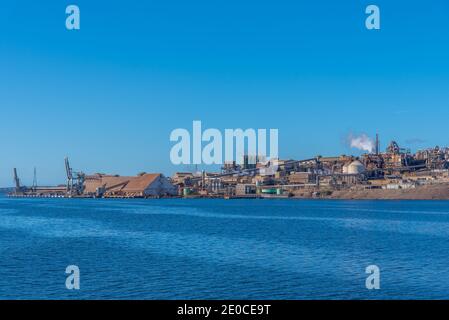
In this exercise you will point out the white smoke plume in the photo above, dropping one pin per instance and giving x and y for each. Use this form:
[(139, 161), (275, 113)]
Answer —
[(362, 142)]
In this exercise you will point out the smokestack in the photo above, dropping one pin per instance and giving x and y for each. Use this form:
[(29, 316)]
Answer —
[(377, 144)]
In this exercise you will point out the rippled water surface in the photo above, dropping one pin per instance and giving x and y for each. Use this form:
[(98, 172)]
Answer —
[(223, 249)]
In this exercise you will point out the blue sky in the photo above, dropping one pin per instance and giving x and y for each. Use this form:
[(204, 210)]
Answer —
[(109, 95)]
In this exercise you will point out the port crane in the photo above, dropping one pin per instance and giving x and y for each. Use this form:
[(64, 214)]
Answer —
[(18, 188), (75, 180), (34, 187)]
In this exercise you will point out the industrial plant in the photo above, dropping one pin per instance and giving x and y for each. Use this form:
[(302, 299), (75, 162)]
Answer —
[(395, 173), (80, 185)]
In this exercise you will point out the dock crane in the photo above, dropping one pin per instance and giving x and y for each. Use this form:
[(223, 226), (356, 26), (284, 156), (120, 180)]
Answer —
[(34, 187), (75, 180), (18, 188)]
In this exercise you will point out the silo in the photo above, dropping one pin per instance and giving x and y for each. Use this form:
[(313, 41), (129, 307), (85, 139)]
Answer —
[(356, 167)]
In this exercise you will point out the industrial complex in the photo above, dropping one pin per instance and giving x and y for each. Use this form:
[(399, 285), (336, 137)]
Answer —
[(389, 174), (144, 185)]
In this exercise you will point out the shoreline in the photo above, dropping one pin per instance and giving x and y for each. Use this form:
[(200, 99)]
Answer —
[(425, 192), (240, 198)]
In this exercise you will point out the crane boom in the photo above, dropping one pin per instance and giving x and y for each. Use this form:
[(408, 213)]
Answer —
[(16, 180)]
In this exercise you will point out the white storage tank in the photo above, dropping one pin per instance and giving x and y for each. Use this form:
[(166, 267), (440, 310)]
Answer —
[(356, 167)]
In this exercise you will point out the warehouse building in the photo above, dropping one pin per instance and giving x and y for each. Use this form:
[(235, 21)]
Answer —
[(144, 185)]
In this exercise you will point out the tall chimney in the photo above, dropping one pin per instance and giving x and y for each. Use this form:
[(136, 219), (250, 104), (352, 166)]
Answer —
[(377, 144)]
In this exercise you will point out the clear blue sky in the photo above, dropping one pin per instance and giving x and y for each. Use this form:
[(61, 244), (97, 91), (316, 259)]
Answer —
[(109, 94)]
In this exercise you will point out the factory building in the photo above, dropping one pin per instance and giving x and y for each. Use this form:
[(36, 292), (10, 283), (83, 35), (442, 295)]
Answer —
[(142, 186), (245, 189), (301, 178)]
